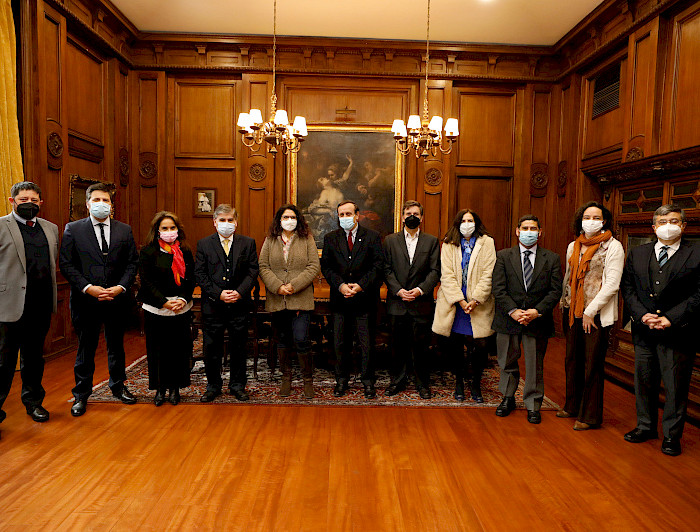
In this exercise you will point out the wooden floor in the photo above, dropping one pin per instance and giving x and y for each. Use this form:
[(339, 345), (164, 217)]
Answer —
[(237, 467)]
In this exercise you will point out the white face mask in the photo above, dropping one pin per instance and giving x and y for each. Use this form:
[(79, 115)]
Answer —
[(467, 228), (591, 227), (288, 225), (668, 232), (225, 229)]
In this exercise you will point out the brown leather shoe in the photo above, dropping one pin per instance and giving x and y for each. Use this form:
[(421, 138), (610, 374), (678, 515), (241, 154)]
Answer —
[(580, 425), (308, 388), (563, 413), (286, 386)]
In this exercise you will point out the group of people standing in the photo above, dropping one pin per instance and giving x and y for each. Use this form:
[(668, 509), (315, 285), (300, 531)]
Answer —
[(512, 293)]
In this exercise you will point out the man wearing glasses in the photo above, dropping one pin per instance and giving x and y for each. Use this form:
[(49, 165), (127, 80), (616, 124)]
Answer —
[(661, 287)]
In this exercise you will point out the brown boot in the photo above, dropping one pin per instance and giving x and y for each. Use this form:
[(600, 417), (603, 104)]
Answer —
[(286, 367), (307, 372)]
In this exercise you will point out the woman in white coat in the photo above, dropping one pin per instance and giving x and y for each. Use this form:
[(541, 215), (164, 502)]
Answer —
[(465, 306), (594, 264)]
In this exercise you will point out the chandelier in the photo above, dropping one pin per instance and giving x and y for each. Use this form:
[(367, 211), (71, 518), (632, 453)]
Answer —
[(276, 132), (422, 136)]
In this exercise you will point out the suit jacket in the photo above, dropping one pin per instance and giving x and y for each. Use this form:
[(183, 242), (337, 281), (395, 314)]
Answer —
[(13, 265), (399, 272), (210, 272), (157, 280), (509, 290), (82, 263), (679, 301), (363, 266)]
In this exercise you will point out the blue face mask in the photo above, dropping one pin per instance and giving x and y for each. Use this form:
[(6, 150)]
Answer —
[(346, 222), (100, 210), (528, 238)]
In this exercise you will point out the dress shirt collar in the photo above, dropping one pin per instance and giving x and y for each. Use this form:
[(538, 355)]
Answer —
[(221, 239), (408, 236), (22, 220), (95, 221), (523, 249), (353, 231), (671, 249)]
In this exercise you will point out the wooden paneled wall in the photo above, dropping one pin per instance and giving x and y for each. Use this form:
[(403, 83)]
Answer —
[(155, 114)]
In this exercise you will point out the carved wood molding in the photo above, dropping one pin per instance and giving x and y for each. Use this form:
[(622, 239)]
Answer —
[(433, 177), (539, 179), (54, 149), (148, 169), (124, 166), (562, 178)]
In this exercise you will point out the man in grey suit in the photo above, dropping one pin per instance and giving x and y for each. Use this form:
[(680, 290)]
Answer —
[(28, 249), (411, 270), (527, 286)]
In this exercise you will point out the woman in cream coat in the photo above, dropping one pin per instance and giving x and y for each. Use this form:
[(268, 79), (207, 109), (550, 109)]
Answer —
[(288, 265), (465, 306), (594, 264)]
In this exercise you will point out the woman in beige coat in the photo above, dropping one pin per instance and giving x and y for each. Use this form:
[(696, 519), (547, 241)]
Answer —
[(288, 265), (465, 306)]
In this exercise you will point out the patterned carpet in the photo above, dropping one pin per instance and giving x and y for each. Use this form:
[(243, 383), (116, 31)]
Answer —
[(265, 389)]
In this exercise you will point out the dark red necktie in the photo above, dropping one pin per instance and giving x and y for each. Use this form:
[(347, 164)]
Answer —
[(350, 241), (30, 223)]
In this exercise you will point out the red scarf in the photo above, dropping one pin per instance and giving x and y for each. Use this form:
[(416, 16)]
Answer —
[(178, 260), (579, 269)]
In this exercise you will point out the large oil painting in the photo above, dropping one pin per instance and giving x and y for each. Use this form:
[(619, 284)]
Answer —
[(342, 164)]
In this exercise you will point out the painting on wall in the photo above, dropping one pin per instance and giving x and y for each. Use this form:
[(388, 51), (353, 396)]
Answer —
[(204, 202), (78, 186)]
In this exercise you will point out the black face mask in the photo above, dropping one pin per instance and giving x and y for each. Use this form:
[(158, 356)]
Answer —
[(412, 221), (27, 210)]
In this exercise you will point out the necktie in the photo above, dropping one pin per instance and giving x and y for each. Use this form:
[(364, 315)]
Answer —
[(350, 244), (227, 242), (105, 247), (663, 256), (30, 223), (527, 269)]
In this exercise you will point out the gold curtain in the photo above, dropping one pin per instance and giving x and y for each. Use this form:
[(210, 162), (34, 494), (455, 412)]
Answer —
[(10, 151)]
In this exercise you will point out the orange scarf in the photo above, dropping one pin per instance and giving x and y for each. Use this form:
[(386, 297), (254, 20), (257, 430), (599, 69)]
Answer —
[(579, 269), (178, 266)]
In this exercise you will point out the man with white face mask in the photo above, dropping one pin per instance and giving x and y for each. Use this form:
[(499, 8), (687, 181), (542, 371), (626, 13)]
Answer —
[(226, 268), (661, 288)]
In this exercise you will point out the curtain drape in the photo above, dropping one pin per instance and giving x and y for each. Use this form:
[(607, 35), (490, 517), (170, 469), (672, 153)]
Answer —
[(10, 152)]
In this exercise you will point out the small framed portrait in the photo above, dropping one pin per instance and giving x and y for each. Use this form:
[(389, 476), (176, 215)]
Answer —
[(204, 202), (78, 187)]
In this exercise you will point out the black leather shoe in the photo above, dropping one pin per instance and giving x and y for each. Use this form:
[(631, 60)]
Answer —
[(209, 396), (459, 391), (125, 396), (534, 417), (174, 397), (159, 398), (38, 413), (393, 389), (240, 394), (640, 435), (506, 407), (425, 393), (370, 392), (671, 447), (78, 408), (477, 397), (341, 388)]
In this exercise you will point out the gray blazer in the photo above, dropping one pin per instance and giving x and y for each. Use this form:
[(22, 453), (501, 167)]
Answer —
[(13, 265)]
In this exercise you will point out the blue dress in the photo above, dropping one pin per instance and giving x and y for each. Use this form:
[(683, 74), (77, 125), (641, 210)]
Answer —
[(463, 321)]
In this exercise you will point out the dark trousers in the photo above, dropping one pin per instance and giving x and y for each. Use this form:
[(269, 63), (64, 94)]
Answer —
[(411, 349), (534, 348), (26, 335), (88, 321), (214, 326), (344, 324), (654, 361), (168, 350), (475, 361), (291, 329), (585, 370)]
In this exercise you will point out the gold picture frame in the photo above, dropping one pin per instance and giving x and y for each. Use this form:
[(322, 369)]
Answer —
[(338, 163)]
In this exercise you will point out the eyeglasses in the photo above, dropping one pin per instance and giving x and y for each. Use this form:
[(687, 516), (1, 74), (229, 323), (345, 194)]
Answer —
[(673, 221)]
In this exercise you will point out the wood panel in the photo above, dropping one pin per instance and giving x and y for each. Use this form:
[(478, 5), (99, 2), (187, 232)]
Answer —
[(490, 198), (85, 86), (205, 119)]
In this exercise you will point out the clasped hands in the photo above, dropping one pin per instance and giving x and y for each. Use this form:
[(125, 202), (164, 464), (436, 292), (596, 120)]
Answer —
[(654, 321), (409, 295), (104, 294), (175, 305), (350, 289), (524, 317), (285, 290), (229, 296), (468, 307)]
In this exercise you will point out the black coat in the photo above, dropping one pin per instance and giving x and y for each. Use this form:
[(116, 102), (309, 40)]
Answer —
[(423, 273), (679, 301), (210, 271), (157, 280), (363, 266), (82, 263), (509, 291)]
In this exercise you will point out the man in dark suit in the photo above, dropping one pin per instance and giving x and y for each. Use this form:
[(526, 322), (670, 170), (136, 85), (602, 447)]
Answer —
[(352, 262), (98, 258), (226, 269), (661, 287), (411, 270), (527, 286), (28, 249)]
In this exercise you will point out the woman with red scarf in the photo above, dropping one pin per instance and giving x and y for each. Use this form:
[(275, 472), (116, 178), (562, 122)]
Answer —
[(166, 271), (594, 264)]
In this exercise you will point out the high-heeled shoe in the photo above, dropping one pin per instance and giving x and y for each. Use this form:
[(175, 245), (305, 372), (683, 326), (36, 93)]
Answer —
[(159, 398), (174, 397)]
